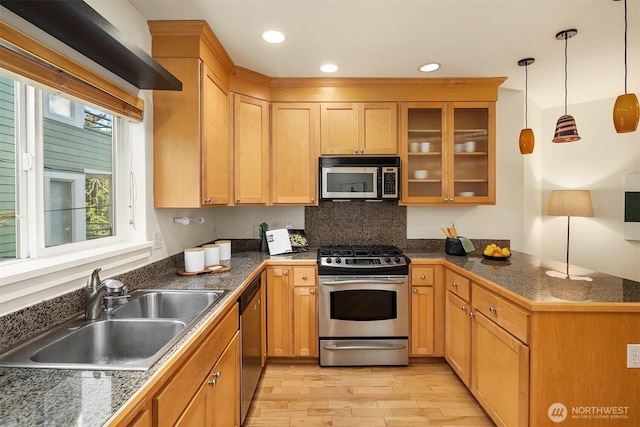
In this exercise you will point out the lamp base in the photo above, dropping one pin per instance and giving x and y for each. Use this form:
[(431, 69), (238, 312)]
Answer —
[(559, 275)]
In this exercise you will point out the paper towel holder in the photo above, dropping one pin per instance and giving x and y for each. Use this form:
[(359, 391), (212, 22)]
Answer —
[(185, 220)]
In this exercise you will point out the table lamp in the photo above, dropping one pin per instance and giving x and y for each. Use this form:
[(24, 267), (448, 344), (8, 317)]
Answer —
[(569, 203)]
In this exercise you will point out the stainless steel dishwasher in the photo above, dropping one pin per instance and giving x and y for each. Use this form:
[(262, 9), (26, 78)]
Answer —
[(251, 344)]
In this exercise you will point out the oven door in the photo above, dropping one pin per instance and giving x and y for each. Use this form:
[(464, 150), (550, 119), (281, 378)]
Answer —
[(363, 307)]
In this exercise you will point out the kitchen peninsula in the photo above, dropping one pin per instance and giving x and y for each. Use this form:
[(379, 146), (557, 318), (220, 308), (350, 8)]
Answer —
[(568, 331)]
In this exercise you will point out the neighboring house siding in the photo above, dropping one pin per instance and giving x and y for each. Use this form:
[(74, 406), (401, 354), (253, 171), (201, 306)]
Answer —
[(7, 167), (71, 149)]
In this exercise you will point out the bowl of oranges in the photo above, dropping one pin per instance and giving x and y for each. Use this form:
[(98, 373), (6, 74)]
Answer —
[(495, 252)]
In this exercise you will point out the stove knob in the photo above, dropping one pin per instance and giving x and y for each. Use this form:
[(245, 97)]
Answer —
[(387, 259), (397, 259), (328, 260), (338, 260)]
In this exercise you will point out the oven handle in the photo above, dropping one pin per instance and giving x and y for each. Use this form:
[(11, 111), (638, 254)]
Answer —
[(363, 347), (363, 281)]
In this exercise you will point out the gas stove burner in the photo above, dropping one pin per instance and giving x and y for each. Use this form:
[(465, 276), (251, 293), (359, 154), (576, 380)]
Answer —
[(361, 259)]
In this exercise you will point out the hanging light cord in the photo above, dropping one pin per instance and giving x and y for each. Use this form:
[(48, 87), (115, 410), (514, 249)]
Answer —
[(625, 47), (566, 44), (526, 99)]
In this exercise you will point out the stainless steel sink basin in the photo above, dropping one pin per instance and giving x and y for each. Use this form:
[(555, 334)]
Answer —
[(166, 304), (134, 337)]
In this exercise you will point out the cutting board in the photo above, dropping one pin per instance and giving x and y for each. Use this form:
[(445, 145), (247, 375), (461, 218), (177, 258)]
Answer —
[(211, 269)]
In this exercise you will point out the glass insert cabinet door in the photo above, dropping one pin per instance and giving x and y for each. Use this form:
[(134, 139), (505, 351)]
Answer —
[(449, 153)]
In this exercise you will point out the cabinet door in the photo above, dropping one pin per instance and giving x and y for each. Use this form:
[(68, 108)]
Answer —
[(177, 137), (458, 336), (422, 320), (251, 150), (216, 150), (378, 128), (500, 373), (423, 148), (471, 159), (223, 408), (294, 147), (279, 313), (305, 321), (339, 129)]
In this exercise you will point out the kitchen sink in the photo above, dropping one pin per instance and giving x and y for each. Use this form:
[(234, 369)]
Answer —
[(166, 304), (131, 338)]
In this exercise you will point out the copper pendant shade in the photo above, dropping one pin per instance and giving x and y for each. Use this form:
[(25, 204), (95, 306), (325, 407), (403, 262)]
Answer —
[(527, 139), (566, 129), (625, 111)]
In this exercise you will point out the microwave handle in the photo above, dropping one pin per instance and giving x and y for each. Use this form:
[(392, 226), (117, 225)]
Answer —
[(374, 201)]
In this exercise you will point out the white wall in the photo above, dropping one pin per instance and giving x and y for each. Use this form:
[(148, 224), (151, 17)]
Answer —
[(504, 219), (598, 162)]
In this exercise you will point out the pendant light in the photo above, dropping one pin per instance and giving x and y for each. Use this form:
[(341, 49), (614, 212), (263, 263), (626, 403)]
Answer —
[(625, 111), (527, 140), (566, 130)]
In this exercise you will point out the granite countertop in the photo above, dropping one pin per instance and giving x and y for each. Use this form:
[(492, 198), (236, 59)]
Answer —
[(90, 398), (526, 278)]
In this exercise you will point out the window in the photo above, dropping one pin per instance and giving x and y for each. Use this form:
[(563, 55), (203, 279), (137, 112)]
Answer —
[(57, 164)]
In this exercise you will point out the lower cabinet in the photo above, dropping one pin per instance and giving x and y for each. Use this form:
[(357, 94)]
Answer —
[(217, 400), (207, 385), (458, 336), (500, 379), (292, 313)]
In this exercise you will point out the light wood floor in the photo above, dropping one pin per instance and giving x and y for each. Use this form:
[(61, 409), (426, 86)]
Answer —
[(423, 394)]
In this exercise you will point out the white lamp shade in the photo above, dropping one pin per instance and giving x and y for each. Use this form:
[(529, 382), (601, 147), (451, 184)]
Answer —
[(570, 203)]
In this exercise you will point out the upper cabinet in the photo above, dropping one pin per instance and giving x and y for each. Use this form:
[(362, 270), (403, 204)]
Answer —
[(448, 153), (359, 128), (295, 140), (250, 150), (191, 145)]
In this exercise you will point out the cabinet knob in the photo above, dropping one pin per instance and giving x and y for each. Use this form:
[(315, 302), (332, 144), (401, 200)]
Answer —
[(238, 200), (422, 276), (415, 291), (454, 284), (313, 200), (285, 272), (362, 151), (312, 291), (212, 381), (355, 151), (463, 308), (492, 309), (471, 314), (304, 277), (207, 200)]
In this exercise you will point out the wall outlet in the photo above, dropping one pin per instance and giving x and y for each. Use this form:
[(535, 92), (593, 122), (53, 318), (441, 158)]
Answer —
[(633, 355), (158, 241)]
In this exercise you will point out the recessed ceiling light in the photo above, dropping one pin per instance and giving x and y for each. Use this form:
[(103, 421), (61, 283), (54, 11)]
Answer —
[(273, 36), (427, 68), (329, 68)]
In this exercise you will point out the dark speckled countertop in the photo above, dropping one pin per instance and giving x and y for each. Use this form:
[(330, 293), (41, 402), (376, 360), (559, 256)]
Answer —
[(38, 397)]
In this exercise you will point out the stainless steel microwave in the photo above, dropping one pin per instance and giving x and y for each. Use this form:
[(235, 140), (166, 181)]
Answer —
[(359, 178)]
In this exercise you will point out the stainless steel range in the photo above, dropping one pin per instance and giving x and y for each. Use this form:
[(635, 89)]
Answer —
[(363, 307)]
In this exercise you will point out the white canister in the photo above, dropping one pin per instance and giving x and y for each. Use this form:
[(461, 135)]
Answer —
[(225, 249), (414, 147), (193, 260), (211, 254)]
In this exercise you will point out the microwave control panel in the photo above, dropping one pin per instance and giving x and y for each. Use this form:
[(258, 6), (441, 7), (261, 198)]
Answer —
[(389, 182)]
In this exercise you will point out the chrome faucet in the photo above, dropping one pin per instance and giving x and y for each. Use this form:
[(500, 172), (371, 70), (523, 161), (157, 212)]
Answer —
[(97, 291)]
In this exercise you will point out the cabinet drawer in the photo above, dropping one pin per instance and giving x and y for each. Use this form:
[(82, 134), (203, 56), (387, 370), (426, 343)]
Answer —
[(304, 276), (169, 403), (504, 313), (458, 284), (422, 276)]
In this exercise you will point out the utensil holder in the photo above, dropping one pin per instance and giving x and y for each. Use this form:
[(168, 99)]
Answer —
[(454, 247)]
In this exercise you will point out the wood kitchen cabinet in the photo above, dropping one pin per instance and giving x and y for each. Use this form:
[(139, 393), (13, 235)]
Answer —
[(292, 328), (358, 128), (460, 160), (295, 141), (217, 400), (191, 395), (250, 150), (191, 144), (422, 328), (458, 336)]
